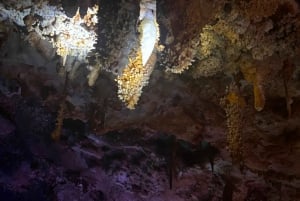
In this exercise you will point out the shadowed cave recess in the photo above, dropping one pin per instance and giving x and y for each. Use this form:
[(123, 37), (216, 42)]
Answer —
[(150, 100)]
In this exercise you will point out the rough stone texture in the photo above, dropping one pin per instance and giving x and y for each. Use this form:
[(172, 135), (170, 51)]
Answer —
[(179, 131)]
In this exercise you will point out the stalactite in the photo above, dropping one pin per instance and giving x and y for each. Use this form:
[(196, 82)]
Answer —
[(56, 134), (233, 104), (287, 72), (253, 77)]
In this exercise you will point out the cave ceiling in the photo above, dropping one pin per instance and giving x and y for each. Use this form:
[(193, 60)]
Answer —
[(227, 72)]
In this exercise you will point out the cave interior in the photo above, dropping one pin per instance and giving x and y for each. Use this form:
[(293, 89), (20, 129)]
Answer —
[(145, 100)]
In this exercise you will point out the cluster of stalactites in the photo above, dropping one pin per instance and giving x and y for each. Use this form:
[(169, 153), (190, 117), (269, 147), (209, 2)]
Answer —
[(258, 28), (74, 37), (137, 73), (82, 41)]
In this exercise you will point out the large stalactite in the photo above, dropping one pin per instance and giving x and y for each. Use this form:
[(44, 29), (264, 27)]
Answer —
[(214, 79)]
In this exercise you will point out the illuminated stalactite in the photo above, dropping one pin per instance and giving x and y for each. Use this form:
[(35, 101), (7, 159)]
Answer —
[(134, 77), (130, 83), (256, 80), (71, 37), (233, 104), (148, 29), (137, 73)]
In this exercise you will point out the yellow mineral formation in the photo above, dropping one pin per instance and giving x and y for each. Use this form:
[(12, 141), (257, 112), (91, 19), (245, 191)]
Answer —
[(233, 104), (130, 82), (259, 96), (134, 77), (90, 19), (76, 17), (253, 77), (185, 58), (234, 98), (138, 70)]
